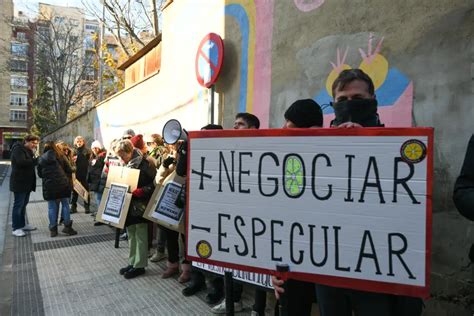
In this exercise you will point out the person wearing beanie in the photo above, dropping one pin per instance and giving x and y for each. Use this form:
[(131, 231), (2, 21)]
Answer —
[(96, 165), (139, 144), (304, 113)]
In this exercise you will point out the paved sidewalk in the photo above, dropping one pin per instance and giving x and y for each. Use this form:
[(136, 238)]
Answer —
[(78, 275)]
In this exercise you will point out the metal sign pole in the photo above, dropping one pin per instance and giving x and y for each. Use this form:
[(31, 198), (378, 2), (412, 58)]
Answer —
[(212, 104), (229, 293)]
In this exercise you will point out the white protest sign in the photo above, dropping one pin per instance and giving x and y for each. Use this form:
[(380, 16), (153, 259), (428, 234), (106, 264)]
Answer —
[(259, 279), (344, 207)]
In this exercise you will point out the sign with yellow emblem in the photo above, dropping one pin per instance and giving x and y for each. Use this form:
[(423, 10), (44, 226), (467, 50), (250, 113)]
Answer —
[(343, 207)]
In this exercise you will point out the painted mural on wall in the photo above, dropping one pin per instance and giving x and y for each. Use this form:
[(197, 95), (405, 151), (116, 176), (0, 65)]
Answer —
[(255, 19), (394, 90)]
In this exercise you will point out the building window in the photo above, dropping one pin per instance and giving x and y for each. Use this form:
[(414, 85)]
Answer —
[(18, 83), (59, 20), (17, 115), (90, 27), (19, 50), (19, 65), (21, 36), (74, 22), (89, 74), (18, 99), (89, 42)]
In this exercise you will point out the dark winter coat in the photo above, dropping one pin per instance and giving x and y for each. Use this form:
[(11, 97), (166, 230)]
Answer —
[(96, 165), (55, 174), (83, 155), (23, 177), (464, 188), (145, 182)]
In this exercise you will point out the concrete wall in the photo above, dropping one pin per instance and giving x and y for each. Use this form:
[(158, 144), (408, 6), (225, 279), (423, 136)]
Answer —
[(419, 53)]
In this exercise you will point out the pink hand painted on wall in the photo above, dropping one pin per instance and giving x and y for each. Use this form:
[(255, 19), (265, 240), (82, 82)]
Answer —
[(308, 5)]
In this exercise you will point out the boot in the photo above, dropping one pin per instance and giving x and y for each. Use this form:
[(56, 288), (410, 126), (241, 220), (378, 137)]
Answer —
[(68, 230), (73, 208), (171, 269), (185, 273), (53, 232), (87, 210)]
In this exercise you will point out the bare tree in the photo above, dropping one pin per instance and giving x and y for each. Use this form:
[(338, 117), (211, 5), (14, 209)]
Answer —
[(62, 59), (126, 19)]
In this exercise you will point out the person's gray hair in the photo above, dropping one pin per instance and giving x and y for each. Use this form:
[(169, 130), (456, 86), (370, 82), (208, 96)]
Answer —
[(79, 138), (124, 145)]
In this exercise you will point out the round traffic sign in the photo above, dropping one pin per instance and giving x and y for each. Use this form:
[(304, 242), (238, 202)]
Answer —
[(209, 59)]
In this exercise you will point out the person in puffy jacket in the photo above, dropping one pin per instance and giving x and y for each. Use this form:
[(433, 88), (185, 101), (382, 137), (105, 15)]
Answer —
[(22, 182), (55, 171)]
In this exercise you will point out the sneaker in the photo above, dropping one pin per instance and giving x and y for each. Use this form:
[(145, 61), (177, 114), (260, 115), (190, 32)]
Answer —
[(220, 308), (18, 233), (134, 272), (28, 228), (158, 256)]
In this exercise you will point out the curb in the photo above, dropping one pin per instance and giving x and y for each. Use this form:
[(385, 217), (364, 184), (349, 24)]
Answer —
[(6, 262)]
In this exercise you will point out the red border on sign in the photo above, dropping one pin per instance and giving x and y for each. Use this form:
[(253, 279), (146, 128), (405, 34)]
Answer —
[(217, 69), (344, 282)]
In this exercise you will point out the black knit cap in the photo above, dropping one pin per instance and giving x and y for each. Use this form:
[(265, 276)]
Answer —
[(305, 113)]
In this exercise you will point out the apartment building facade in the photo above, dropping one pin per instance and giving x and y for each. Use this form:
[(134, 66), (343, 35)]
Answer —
[(17, 77)]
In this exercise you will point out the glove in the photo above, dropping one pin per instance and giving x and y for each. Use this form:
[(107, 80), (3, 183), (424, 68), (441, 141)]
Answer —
[(168, 161), (138, 193)]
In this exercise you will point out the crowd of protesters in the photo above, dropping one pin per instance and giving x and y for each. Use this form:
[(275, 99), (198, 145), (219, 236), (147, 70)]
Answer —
[(355, 107)]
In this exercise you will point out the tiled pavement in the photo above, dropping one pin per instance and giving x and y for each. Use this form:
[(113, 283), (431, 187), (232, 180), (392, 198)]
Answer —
[(78, 275)]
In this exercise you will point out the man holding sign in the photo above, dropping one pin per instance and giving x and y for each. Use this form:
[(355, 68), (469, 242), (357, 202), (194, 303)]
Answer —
[(355, 107)]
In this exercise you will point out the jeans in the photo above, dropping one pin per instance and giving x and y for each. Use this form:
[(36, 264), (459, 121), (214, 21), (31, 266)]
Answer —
[(161, 239), (138, 243), (19, 209), (53, 208), (98, 198)]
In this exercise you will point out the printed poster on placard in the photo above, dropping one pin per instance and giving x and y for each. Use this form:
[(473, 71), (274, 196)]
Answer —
[(166, 209), (114, 203)]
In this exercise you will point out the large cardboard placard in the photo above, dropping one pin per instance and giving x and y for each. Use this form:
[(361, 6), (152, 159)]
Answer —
[(162, 209), (343, 207), (113, 208)]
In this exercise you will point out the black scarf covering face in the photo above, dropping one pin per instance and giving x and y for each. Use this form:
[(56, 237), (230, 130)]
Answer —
[(361, 111)]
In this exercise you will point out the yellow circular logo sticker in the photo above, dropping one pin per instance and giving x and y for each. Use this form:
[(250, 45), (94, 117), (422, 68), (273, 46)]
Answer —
[(294, 176), (203, 249), (413, 151)]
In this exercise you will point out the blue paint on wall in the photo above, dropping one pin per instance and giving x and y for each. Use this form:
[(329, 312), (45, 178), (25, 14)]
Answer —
[(239, 13)]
